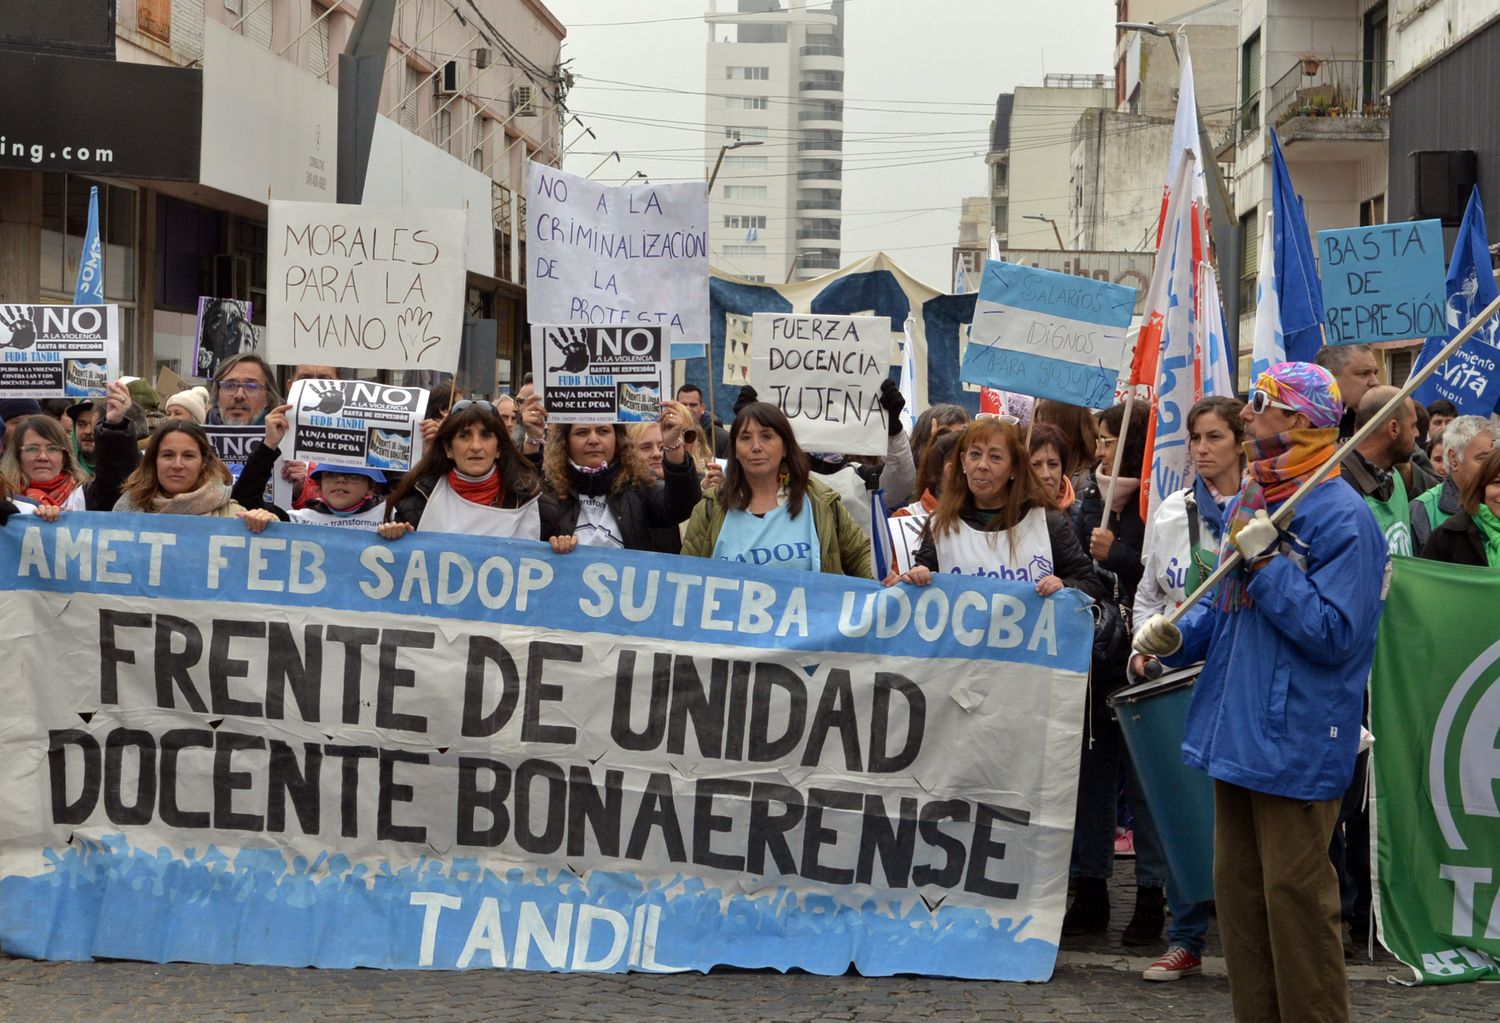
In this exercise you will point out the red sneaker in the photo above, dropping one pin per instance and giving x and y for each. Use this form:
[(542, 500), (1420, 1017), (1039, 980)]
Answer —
[(1177, 963)]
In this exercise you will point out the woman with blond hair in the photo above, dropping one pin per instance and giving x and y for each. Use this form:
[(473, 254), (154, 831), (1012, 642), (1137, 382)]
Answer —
[(180, 474), (600, 491), (42, 466), (995, 519)]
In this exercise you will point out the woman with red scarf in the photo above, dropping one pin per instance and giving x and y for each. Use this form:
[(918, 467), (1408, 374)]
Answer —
[(43, 471), (471, 479)]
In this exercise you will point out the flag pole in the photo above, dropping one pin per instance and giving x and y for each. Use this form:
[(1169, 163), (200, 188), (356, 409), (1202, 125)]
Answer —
[(1114, 473), (1283, 515)]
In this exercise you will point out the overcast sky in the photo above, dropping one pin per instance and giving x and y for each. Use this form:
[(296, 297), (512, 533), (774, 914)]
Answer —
[(925, 71)]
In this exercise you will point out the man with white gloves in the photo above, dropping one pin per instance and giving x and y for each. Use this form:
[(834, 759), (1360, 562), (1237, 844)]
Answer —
[(1287, 640)]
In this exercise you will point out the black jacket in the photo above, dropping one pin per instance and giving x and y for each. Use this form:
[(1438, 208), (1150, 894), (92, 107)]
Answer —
[(1124, 558), (250, 489), (638, 511), (1457, 541), (518, 484), (116, 456), (1069, 562)]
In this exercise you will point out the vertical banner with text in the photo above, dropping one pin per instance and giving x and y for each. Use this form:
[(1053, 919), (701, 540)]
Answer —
[(313, 747)]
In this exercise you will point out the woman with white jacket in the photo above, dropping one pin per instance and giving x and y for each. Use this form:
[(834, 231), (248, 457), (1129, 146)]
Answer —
[(1181, 549)]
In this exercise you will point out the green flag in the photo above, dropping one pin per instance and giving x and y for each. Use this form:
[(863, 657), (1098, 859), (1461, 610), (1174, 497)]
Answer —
[(1435, 712)]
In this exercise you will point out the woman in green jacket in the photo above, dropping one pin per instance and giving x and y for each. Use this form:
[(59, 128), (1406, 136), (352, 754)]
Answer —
[(770, 511)]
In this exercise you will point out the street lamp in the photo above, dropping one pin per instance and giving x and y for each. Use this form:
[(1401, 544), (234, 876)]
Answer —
[(726, 147), (1048, 220), (638, 174), (613, 152), (1226, 227)]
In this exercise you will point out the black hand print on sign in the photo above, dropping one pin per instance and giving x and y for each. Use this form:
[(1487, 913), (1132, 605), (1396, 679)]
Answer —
[(330, 396), (574, 351), (17, 320)]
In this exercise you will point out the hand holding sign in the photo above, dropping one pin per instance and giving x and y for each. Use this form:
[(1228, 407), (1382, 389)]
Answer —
[(276, 426), (116, 403)]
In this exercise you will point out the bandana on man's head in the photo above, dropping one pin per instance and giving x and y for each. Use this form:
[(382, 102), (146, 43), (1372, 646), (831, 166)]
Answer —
[(1305, 387)]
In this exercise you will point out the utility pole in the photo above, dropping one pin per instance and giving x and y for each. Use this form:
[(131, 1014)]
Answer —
[(361, 68)]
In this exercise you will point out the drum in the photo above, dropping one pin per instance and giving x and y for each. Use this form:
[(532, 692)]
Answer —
[(1153, 717)]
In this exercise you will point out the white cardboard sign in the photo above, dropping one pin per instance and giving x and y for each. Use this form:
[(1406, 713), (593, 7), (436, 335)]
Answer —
[(824, 372), (626, 256), (364, 287)]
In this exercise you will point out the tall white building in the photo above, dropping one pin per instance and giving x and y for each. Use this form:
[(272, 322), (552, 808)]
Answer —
[(776, 86)]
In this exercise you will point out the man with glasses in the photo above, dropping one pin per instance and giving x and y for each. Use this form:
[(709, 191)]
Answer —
[(1287, 641), (244, 390)]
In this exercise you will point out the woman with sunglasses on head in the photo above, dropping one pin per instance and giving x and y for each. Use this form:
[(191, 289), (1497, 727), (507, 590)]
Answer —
[(471, 479), (180, 474), (1181, 549), (995, 519), (771, 510), (602, 493), (43, 469)]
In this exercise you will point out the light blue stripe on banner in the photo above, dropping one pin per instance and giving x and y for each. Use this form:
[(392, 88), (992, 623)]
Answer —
[(514, 582), (1065, 296), (689, 350), (1057, 379)]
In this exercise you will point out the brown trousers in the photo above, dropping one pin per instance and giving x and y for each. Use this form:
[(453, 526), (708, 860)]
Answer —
[(1278, 899)]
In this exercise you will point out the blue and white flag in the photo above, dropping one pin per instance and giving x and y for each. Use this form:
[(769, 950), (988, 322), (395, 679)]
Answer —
[(1299, 293), (89, 289), (1269, 346), (882, 548), (961, 280), (908, 383), (1471, 376)]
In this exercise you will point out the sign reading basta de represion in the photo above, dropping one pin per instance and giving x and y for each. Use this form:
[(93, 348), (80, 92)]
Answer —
[(306, 748)]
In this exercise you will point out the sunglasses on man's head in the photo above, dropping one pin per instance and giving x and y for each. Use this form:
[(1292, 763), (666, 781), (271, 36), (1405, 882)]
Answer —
[(1261, 400)]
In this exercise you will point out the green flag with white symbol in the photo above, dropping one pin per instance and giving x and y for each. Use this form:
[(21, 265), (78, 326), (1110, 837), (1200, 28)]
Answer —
[(1435, 712)]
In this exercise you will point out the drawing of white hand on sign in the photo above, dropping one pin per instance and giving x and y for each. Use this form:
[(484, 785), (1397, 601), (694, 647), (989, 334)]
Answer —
[(412, 326)]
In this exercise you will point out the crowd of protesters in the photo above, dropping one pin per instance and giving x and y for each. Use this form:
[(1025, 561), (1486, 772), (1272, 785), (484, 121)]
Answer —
[(1051, 499)]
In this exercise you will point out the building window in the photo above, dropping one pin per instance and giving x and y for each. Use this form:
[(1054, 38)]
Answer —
[(745, 191), (1249, 258), (410, 96), (745, 102), (744, 222), (744, 251), (744, 132), (1376, 69), (1250, 62), (748, 74), (1372, 211), (746, 162), (482, 128), (65, 215), (444, 136)]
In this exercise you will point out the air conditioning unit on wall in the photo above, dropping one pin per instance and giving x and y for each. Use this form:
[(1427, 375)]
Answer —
[(481, 58)]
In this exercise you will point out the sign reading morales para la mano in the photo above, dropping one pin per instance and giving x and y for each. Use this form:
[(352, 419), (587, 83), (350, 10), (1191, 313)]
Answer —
[(308, 747)]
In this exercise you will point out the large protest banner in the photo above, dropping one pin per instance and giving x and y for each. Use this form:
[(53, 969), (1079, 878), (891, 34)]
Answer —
[(58, 351), (1383, 283), (355, 422), (364, 287), (601, 374), (1435, 712), (825, 373), (306, 748), (629, 255), (1048, 334)]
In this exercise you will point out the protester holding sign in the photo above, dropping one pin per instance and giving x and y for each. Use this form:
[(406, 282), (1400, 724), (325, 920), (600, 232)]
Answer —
[(770, 511), (340, 495), (1182, 545), (471, 479), (601, 493), (41, 466), (1471, 536), (180, 474), (243, 390), (1287, 642), (997, 520)]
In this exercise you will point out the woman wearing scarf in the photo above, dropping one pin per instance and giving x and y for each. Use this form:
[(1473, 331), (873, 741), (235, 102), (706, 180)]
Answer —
[(1287, 645), (180, 474), (471, 479), (770, 511), (995, 519), (602, 493), (43, 469), (1182, 547), (1471, 536), (1114, 538)]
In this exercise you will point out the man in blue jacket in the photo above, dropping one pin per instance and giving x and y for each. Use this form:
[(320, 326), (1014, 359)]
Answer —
[(1287, 640)]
